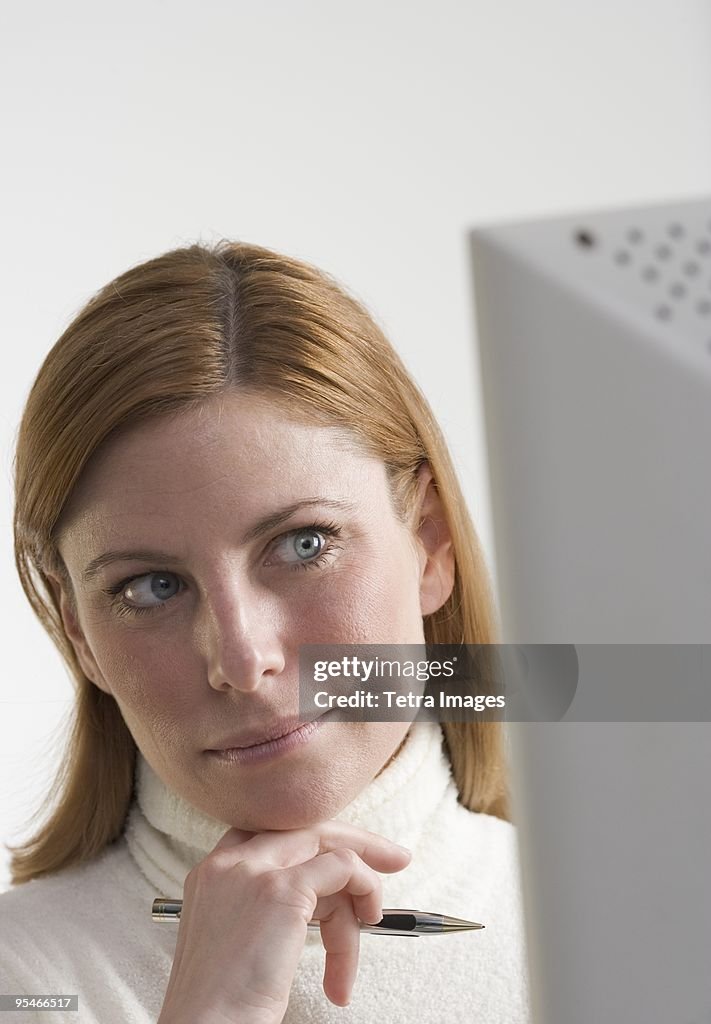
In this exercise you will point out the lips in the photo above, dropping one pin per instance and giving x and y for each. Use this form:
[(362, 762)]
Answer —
[(263, 735)]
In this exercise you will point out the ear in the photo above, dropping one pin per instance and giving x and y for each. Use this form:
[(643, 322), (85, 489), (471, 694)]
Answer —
[(74, 631), (437, 564)]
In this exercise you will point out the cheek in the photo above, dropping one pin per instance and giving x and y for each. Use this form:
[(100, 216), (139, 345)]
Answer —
[(377, 603), (146, 674)]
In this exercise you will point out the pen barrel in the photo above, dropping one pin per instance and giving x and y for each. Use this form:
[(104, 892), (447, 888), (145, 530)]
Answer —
[(394, 922)]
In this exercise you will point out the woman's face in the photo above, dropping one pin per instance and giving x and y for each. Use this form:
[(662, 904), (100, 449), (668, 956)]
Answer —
[(267, 533)]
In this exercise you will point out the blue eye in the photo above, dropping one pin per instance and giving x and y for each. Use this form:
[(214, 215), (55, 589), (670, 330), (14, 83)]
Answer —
[(158, 583), (307, 544), (157, 587), (312, 546)]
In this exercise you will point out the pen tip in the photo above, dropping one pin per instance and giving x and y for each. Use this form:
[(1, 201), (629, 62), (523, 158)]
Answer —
[(458, 924)]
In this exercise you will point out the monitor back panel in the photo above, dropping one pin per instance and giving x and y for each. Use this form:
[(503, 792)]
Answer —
[(594, 334)]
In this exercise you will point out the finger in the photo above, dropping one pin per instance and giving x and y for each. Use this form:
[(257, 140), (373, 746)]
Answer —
[(364, 887), (367, 907), (340, 870), (341, 938), (294, 846)]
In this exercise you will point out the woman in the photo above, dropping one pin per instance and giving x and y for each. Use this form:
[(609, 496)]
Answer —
[(222, 459)]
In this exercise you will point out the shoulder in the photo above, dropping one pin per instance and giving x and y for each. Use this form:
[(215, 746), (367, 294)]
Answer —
[(480, 837), (88, 930), (492, 837), (57, 917), (69, 887), (468, 866), (491, 862), (481, 848)]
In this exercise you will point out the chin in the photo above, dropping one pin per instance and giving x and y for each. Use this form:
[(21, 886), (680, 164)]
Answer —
[(288, 811)]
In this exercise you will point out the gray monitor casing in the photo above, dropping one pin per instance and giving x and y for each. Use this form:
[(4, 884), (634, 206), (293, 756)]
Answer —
[(594, 335)]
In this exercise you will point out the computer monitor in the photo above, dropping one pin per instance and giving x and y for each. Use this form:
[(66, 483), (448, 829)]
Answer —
[(594, 337)]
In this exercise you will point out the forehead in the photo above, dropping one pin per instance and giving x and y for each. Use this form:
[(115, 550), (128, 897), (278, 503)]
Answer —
[(238, 448)]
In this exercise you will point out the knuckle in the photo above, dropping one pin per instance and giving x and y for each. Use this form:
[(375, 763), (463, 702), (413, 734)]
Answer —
[(349, 857), (272, 885), (285, 889), (249, 869), (200, 880), (192, 879), (212, 866)]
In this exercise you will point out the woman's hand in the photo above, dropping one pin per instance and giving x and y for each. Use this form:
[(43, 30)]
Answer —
[(244, 916)]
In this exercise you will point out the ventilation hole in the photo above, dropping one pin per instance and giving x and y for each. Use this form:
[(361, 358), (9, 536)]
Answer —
[(663, 312), (584, 238), (676, 231), (691, 269), (650, 273), (704, 307), (663, 252), (635, 236), (677, 290), (622, 256), (703, 247)]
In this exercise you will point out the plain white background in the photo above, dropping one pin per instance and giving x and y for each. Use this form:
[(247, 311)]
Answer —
[(364, 138)]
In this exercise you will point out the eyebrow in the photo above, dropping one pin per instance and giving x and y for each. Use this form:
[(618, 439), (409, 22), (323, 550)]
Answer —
[(262, 525)]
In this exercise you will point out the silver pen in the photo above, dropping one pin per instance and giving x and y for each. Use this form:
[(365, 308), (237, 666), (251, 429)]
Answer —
[(394, 922)]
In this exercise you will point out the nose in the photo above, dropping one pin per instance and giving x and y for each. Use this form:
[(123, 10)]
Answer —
[(243, 647)]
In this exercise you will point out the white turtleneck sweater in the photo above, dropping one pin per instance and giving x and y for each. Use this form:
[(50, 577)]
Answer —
[(88, 930)]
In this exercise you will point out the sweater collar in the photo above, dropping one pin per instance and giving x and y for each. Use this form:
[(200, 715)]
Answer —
[(167, 836)]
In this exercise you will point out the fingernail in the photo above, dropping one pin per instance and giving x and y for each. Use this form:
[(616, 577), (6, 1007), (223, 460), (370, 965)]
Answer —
[(404, 849)]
